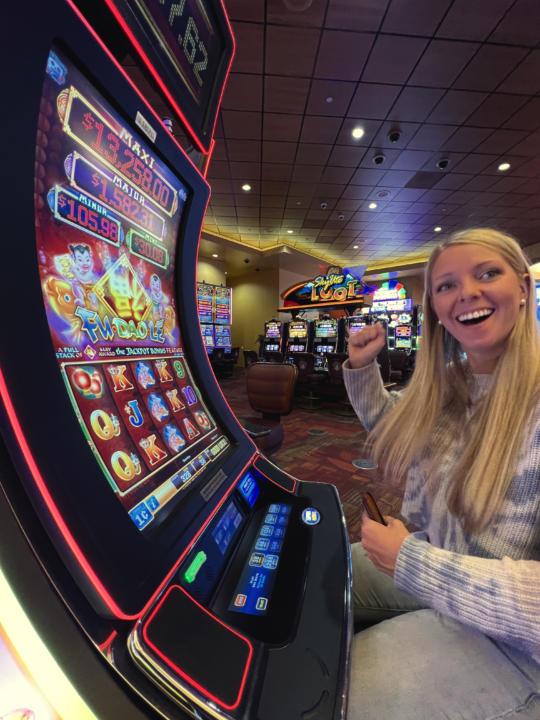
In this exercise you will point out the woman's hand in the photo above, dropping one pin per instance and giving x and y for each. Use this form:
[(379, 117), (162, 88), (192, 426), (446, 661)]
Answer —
[(382, 543), (365, 345)]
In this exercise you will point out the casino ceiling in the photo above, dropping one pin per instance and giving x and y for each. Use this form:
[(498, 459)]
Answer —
[(445, 91)]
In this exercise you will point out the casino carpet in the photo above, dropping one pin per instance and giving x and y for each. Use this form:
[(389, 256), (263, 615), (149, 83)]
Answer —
[(325, 456)]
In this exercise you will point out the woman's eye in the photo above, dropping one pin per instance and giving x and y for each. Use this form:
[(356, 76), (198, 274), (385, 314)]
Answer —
[(444, 286), (488, 274)]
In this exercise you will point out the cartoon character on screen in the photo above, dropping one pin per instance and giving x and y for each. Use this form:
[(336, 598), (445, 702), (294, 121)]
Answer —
[(85, 276), (173, 438), (157, 407), (160, 309)]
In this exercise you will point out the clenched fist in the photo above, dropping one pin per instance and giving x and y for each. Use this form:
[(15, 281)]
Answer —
[(366, 344)]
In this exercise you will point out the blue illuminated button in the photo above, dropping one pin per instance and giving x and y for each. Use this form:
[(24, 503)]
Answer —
[(270, 562), (262, 544), (279, 532), (267, 531), (274, 508), (311, 516), (271, 519)]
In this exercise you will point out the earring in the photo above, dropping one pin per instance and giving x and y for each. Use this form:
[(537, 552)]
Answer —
[(522, 301)]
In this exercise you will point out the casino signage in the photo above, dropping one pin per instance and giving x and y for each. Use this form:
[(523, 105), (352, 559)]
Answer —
[(336, 288), (391, 297)]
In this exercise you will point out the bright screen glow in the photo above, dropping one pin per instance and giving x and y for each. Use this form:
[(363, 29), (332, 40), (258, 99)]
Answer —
[(298, 329), (108, 214)]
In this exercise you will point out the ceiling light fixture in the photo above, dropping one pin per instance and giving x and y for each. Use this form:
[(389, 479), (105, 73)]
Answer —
[(504, 166), (246, 187), (290, 232), (215, 255), (357, 133), (355, 247), (437, 229), (372, 206), (329, 99)]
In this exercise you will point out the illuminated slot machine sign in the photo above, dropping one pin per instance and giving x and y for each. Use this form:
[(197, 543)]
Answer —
[(403, 334), (356, 323), (325, 330), (106, 242), (298, 332), (205, 302), (223, 306)]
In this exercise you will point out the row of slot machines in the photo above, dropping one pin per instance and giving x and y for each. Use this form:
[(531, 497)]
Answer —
[(214, 306), (329, 335)]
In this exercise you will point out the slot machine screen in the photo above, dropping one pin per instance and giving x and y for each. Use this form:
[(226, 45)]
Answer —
[(356, 323), (403, 331), (298, 330), (272, 330), (325, 328), (205, 302), (208, 336), (106, 247), (222, 336)]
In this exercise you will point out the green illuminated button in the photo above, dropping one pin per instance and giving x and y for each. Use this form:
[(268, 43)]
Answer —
[(194, 567)]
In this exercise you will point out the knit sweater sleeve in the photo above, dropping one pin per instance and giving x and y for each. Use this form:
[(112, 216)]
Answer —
[(366, 392), (500, 598)]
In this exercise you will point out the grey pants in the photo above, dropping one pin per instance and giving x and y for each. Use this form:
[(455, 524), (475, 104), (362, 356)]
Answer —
[(416, 664)]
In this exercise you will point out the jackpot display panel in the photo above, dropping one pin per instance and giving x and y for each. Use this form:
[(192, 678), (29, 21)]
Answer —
[(138, 523)]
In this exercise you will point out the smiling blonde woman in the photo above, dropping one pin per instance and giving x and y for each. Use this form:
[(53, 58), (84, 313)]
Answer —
[(464, 602)]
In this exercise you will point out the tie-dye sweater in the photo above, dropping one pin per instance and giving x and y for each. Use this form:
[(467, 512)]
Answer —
[(490, 580)]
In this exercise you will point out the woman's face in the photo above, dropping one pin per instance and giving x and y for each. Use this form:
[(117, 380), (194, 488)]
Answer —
[(477, 297)]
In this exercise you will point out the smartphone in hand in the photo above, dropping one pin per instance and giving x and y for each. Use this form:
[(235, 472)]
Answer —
[(371, 508)]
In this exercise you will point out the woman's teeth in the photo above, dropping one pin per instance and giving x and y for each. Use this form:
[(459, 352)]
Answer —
[(474, 317)]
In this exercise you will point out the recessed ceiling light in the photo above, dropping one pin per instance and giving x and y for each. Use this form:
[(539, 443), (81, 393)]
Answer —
[(357, 133), (504, 166), (225, 272), (246, 187), (215, 255), (372, 206), (437, 229), (355, 247), (290, 232), (329, 99)]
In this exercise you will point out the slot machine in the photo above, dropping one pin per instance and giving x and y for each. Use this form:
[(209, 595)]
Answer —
[(298, 336), (325, 338), (354, 323), (171, 569), (273, 337)]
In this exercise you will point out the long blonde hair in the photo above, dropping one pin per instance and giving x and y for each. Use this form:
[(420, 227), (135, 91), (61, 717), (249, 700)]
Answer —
[(440, 383)]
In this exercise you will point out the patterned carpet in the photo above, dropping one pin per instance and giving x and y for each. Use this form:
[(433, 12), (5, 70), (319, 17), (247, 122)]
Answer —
[(326, 456)]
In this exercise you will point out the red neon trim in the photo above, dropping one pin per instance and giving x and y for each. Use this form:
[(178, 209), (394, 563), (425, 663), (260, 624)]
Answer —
[(128, 79), (295, 481), (180, 672), (208, 159), (55, 513), (195, 538), (285, 293), (106, 643), (157, 77)]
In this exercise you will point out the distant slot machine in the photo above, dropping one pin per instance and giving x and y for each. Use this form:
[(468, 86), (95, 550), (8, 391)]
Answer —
[(273, 336), (403, 335), (208, 337), (222, 337), (326, 338), (354, 324), (298, 336)]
